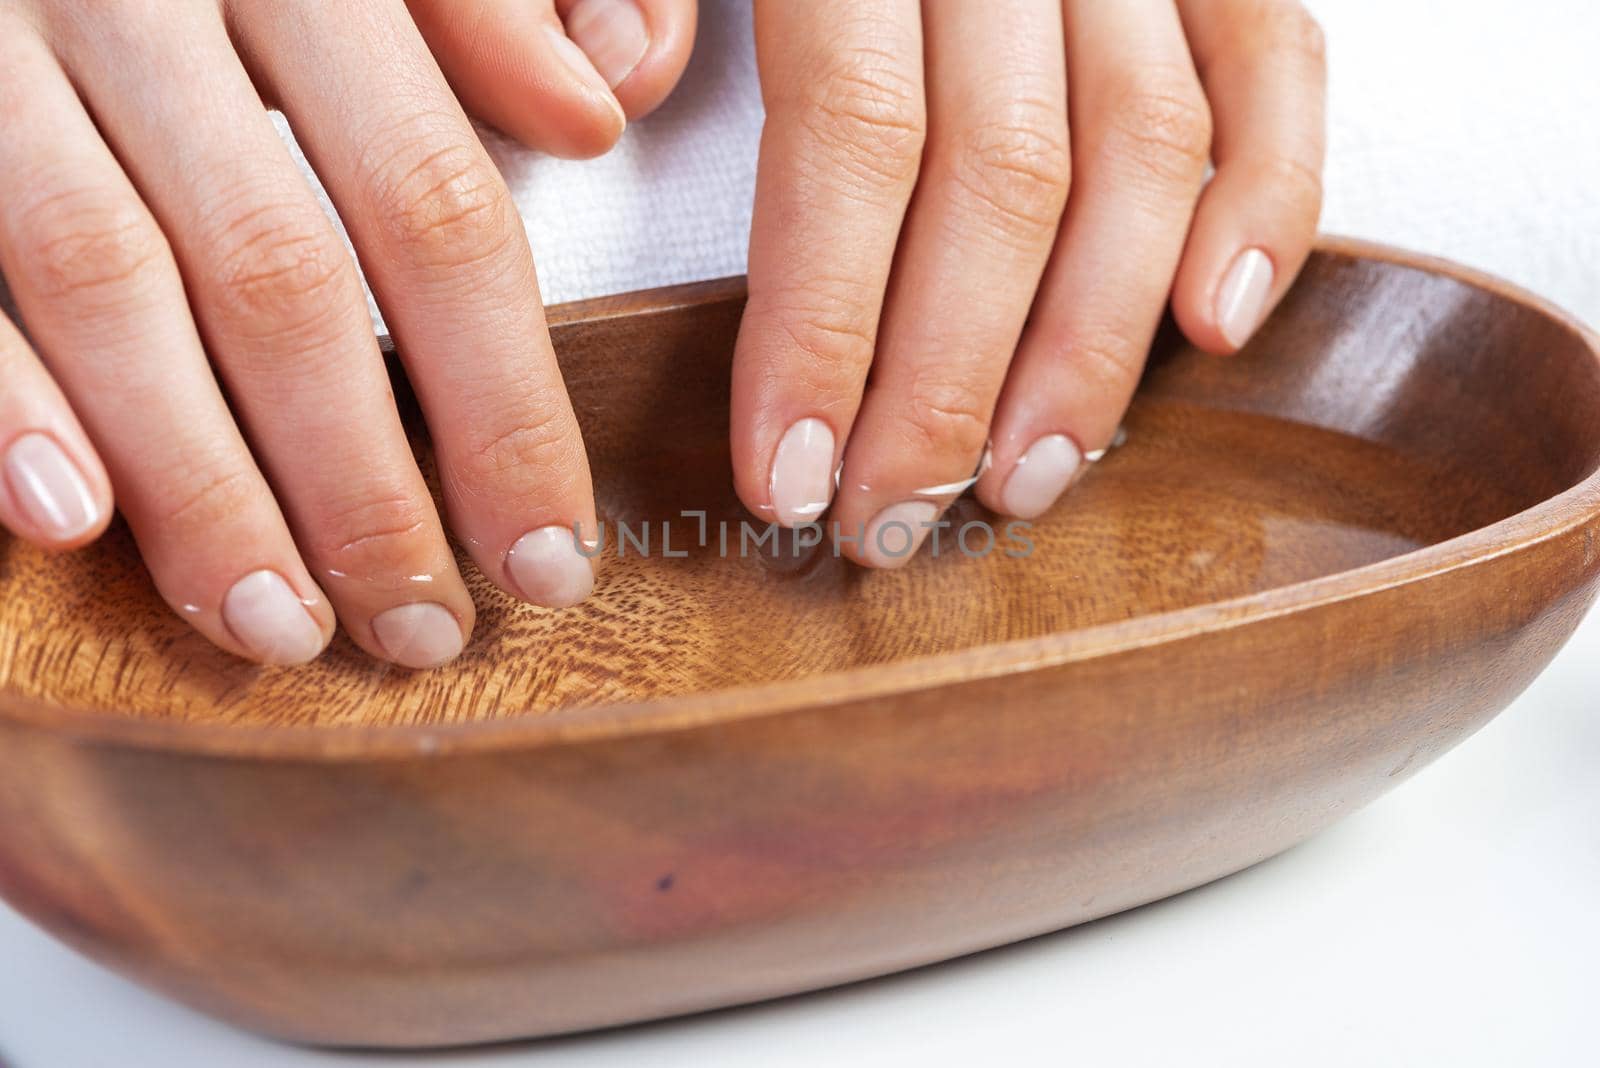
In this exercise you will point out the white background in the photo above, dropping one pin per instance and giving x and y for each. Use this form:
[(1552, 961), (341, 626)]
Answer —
[(1454, 921)]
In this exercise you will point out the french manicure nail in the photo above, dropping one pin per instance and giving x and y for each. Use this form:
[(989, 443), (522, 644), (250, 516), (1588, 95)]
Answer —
[(612, 33), (546, 567), (49, 488), (267, 617), (896, 533), (1242, 297), (1040, 477), (423, 635), (802, 473)]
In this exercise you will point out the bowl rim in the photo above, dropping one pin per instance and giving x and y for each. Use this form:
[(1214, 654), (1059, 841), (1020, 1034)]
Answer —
[(1546, 520)]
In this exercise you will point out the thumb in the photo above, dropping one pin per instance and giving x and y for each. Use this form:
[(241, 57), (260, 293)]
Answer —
[(566, 81), (640, 47)]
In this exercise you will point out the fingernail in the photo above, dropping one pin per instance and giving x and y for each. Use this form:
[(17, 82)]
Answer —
[(418, 635), (896, 533), (267, 617), (802, 473), (612, 33), (1242, 298), (1040, 477), (575, 59), (49, 488), (547, 569)]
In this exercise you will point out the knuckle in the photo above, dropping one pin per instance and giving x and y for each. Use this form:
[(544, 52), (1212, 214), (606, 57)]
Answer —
[(532, 449), (1162, 124), (1018, 167), (379, 536), (1291, 27), (830, 326), (278, 273), (1294, 182), (90, 244), (868, 118), (209, 496), (1108, 362), (446, 207), (948, 415)]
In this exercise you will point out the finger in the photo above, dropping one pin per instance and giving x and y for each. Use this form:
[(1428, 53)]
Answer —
[(1141, 137), (842, 83), (976, 240), (640, 47), (448, 258), (280, 305), (102, 298), (56, 493), (1262, 63), (558, 88)]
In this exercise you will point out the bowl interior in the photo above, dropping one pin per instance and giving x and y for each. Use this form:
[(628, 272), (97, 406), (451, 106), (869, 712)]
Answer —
[(1385, 408)]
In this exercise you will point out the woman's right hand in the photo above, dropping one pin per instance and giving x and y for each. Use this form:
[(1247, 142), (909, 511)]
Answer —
[(158, 238)]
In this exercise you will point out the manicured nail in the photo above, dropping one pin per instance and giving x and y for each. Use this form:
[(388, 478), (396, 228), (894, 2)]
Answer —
[(267, 617), (1242, 298), (802, 473), (547, 569), (896, 533), (612, 33), (418, 635), (575, 59), (1040, 477), (49, 488)]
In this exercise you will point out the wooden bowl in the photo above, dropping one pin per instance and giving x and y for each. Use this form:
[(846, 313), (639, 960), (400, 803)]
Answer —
[(1311, 570)]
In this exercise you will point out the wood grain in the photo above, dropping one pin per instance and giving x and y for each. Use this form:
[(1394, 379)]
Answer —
[(1311, 569)]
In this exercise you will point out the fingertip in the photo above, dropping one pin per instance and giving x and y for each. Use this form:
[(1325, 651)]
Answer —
[(596, 119), (514, 66), (273, 621), (1224, 294), (56, 496), (801, 484), (640, 47), (421, 635), (549, 568), (1035, 481)]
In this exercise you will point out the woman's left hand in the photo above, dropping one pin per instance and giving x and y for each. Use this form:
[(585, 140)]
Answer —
[(924, 285)]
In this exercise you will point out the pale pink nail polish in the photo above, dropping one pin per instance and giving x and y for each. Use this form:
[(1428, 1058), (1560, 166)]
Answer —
[(546, 567), (612, 33), (578, 62), (802, 473), (1041, 477), (50, 490), (896, 533), (423, 635), (266, 616), (1242, 297)]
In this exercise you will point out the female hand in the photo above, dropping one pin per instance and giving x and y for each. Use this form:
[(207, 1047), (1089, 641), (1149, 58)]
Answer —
[(923, 283), (154, 230)]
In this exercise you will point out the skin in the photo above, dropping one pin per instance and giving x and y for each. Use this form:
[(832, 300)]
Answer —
[(970, 217), (969, 220), (165, 252)]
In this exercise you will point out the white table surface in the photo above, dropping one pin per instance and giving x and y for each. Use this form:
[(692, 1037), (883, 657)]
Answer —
[(1453, 921)]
